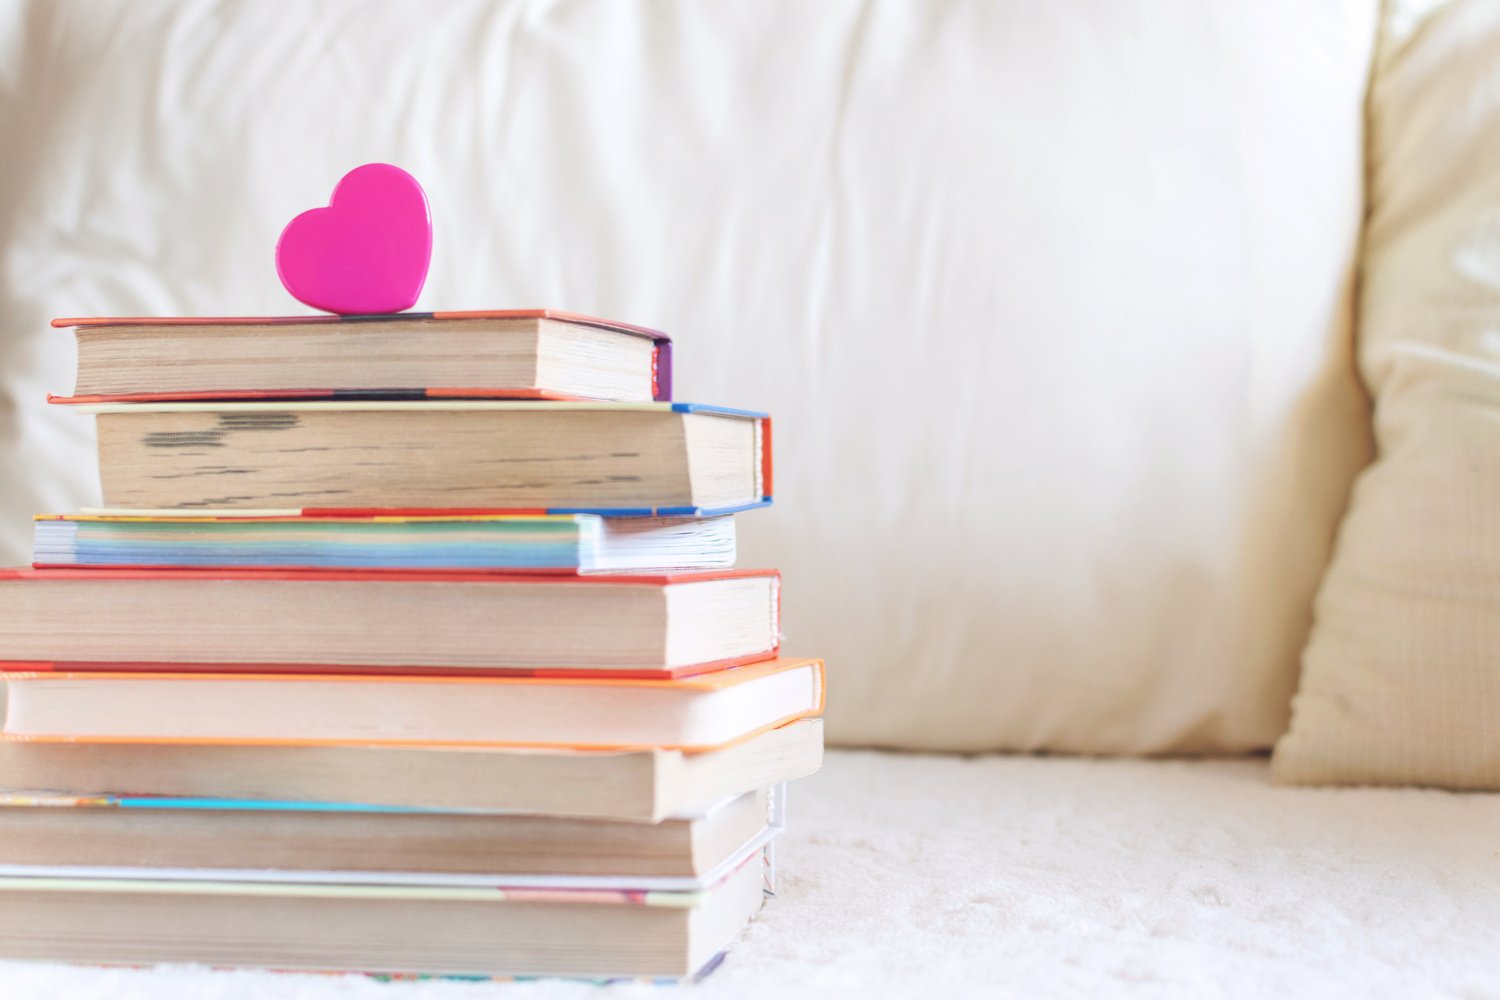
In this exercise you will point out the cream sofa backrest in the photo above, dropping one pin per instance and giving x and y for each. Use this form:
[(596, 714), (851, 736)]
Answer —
[(1050, 300)]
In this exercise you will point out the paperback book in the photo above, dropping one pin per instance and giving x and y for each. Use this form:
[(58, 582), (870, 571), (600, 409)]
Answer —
[(558, 543)]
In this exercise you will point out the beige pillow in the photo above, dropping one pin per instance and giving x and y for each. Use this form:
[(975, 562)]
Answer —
[(1401, 679)]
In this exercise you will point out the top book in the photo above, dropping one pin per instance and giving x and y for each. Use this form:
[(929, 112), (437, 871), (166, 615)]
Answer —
[(517, 354)]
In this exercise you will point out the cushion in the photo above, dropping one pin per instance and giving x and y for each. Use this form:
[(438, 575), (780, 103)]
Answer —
[(1051, 302), (1402, 673)]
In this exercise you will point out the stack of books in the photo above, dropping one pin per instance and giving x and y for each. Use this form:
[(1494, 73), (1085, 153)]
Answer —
[(432, 681)]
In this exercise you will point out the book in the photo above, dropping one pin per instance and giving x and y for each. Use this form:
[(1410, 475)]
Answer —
[(536, 353), (113, 836), (583, 543), (622, 458), (701, 712), (642, 785), (395, 621), (398, 929)]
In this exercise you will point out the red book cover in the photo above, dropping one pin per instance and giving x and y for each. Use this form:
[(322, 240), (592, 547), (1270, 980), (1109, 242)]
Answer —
[(146, 577)]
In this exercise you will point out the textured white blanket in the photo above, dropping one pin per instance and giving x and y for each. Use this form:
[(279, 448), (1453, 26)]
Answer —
[(921, 875)]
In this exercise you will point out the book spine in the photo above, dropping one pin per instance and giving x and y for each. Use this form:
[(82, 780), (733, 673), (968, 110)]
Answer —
[(661, 372), (767, 486)]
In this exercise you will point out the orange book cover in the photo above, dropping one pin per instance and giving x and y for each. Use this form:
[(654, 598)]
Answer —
[(716, 681)]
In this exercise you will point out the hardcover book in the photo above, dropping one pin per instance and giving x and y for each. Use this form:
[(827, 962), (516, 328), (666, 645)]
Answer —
[(644, 785), (126, 836), (387, 621), (697, 713), (439, 930), (622, 458), (516, 354)]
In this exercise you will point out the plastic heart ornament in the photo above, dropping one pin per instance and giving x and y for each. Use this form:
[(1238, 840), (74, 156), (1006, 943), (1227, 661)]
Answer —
[(367, 252)]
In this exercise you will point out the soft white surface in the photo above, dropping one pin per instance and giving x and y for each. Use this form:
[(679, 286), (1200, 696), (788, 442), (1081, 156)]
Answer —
[(1049, 299), (930, 876)]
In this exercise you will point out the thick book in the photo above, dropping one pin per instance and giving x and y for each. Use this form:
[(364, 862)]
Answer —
[(665, 459), (392, 621), (443, 930), (639, 785), (118, 836), (558, 543), (702, 712), (516, 354)]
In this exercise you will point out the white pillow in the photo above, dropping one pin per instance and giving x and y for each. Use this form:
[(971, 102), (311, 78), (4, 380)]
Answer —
[(1050, 300), (1401, 680)]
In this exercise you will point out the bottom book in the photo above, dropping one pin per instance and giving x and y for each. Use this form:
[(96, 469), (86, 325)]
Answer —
[(463, 931)]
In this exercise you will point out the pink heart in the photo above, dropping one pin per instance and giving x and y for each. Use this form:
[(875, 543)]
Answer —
[(367, 252)]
